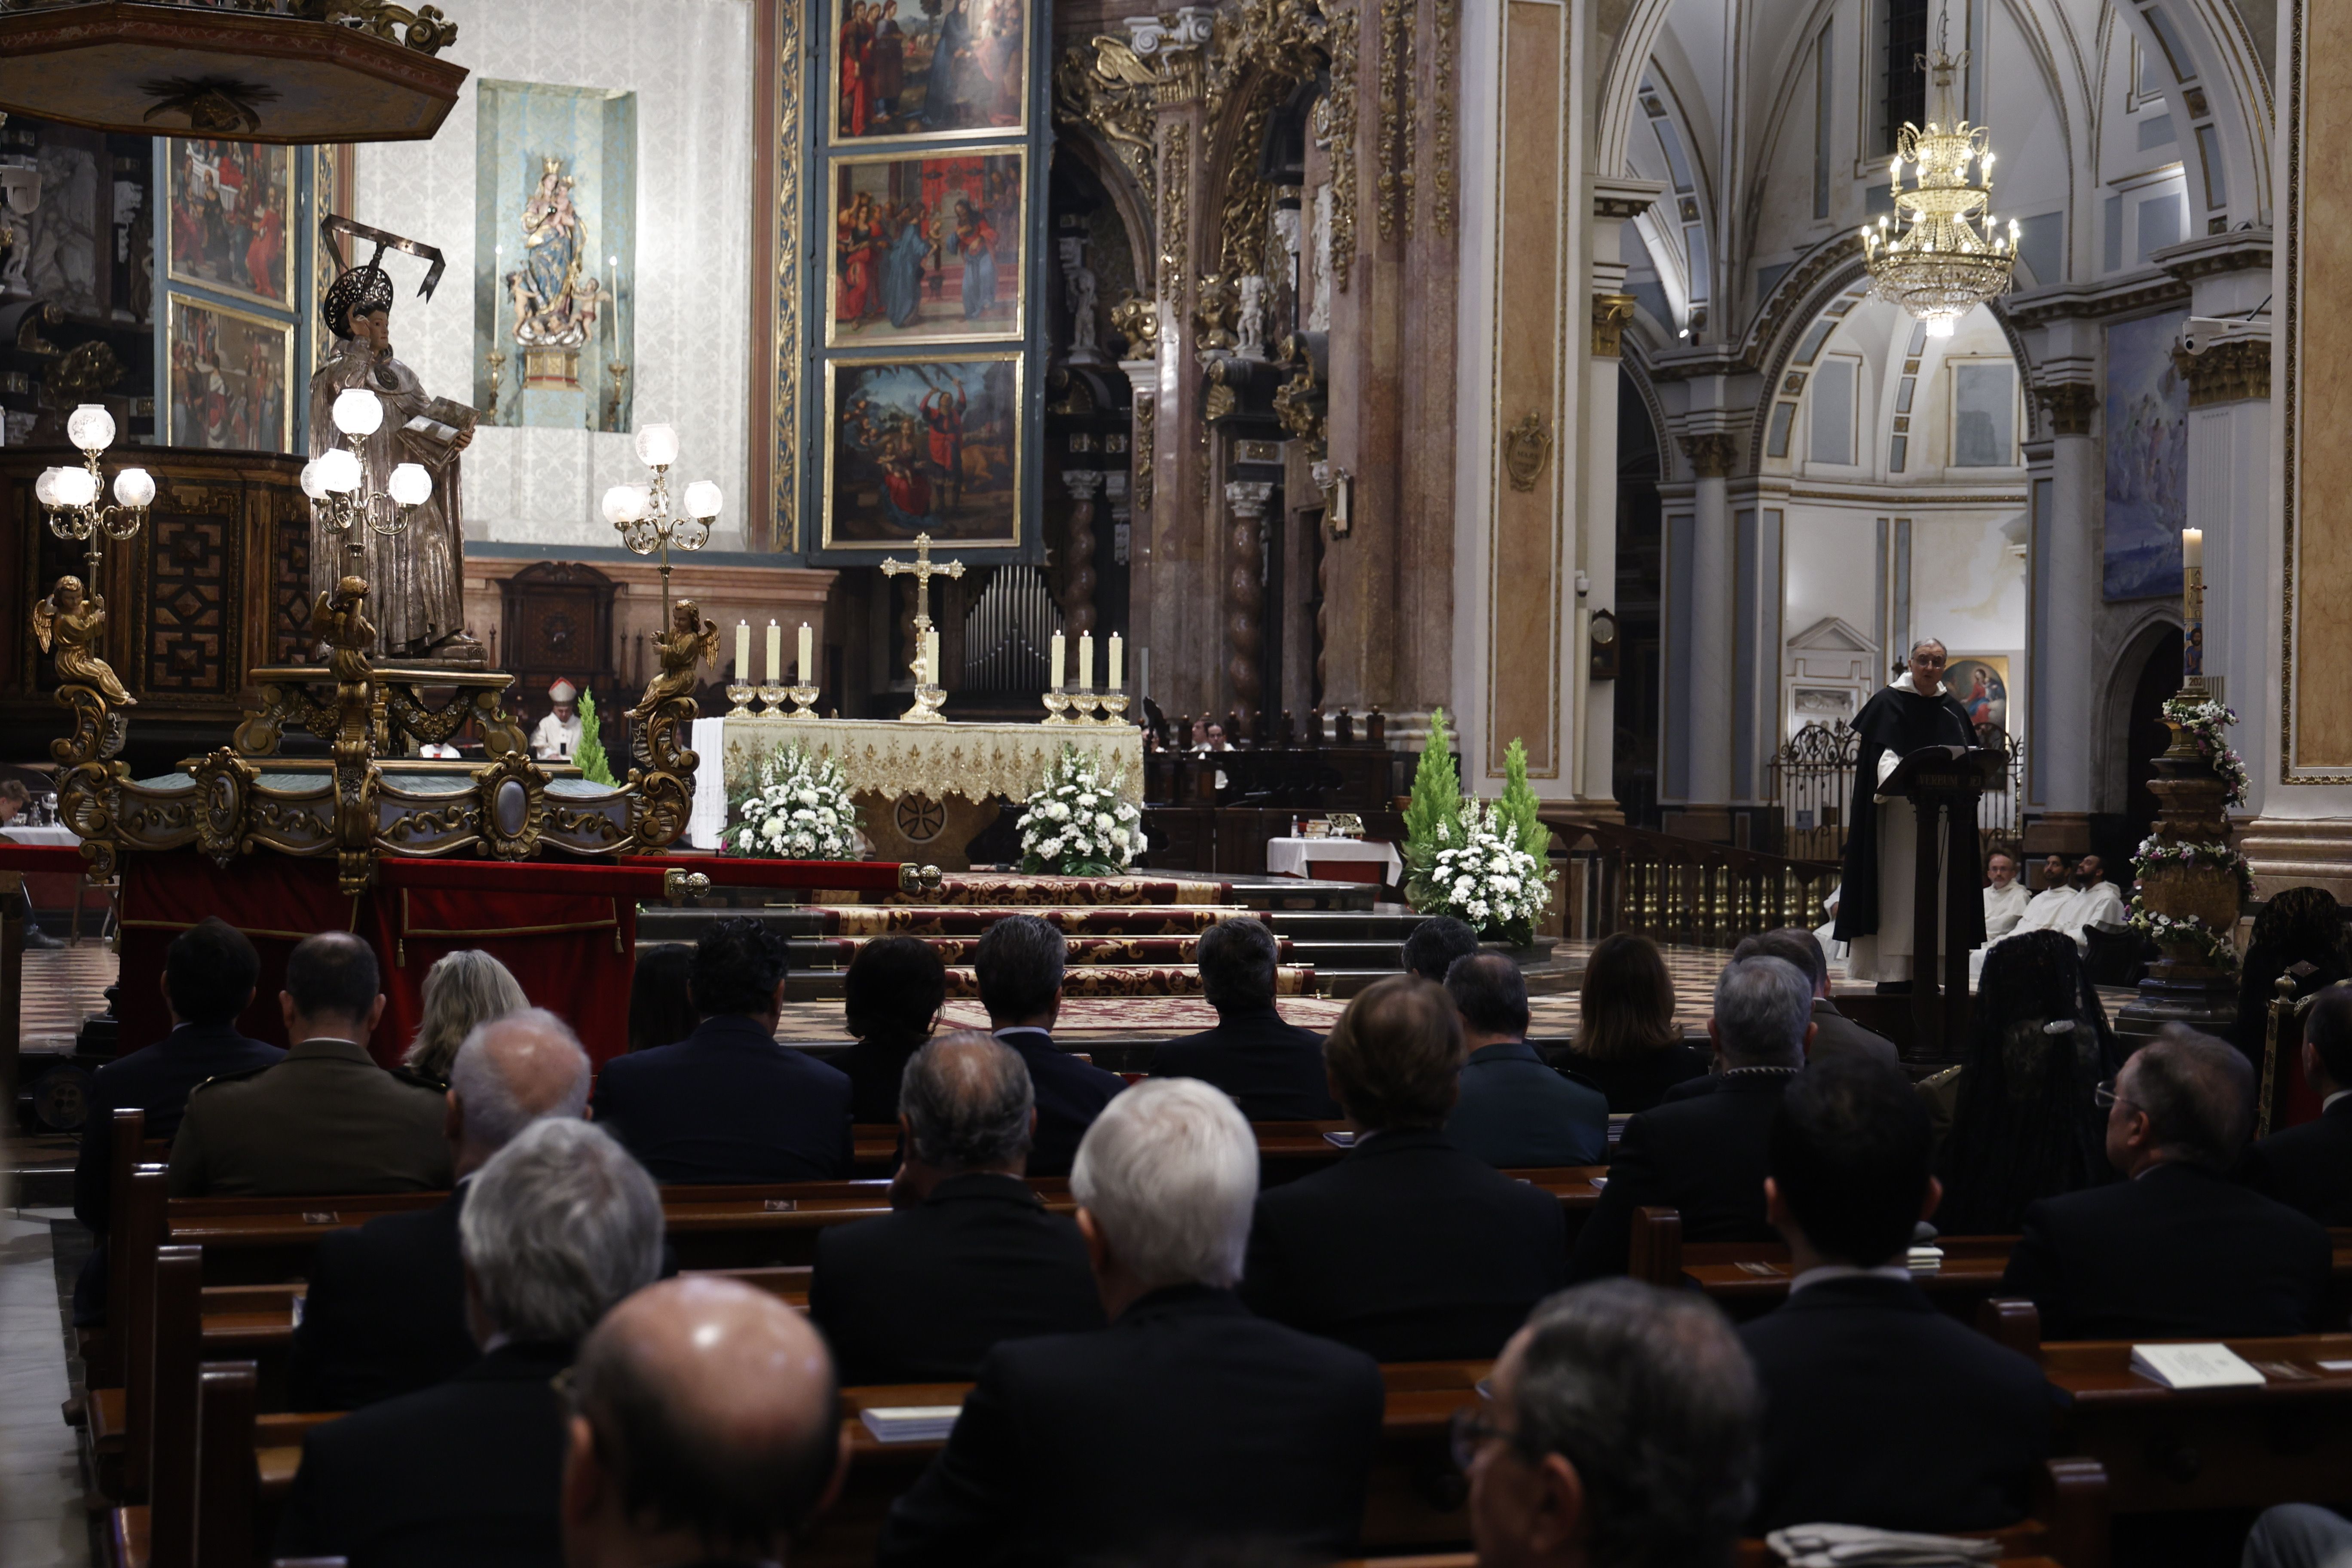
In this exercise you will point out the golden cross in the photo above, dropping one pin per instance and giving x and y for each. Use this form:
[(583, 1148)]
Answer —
[(923, 572)]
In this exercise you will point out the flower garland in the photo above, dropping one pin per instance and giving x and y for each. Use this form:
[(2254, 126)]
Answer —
[(2204, 723), (1480, 875), (800, 810), (1077, 823), (2187, 931), (2154, 856)]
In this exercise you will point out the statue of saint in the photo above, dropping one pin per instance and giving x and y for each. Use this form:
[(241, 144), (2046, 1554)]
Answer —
[(555, 306), (413, 577)]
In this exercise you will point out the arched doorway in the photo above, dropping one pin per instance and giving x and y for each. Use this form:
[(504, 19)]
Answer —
[(2146, 736)]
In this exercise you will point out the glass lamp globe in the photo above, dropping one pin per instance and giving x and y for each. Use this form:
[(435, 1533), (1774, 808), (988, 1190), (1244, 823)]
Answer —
[(658, 445), (75, 487), (703, 500), (411, 485), (44, 489), (91, 428), (357, 411), (311, 486), (134, 487), (339, 471), (623, 504)]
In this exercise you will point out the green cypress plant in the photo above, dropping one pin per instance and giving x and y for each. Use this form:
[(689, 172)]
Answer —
[(594, 765), (1435, 810)]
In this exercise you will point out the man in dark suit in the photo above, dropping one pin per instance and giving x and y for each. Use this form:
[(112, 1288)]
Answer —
[(1878, 1409), (1187, 1420), (703, 1430), (209, 972), (2178, 1251), (2310, 1167), (1407, 1248), (1620, 1427), (1434, 944), (890, 999), (971, 1257), (1018, 962), (1835, 1034), (1274, 1070), (326, 1119), (561, 1224), (385, 1312), (728, 1104), (1703, 1156), (1515, 1113)]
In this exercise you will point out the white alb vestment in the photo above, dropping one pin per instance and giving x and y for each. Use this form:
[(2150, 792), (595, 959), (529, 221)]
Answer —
[(556, 739)]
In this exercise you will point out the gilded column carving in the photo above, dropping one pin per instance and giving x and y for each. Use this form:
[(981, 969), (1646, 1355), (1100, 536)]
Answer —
[(1338, 110), (1078, 574), (2235, 370), (1146, 412), (1610, 314), (2072, 405), (1103, 83), (1712, 454), (1175, 169), (784, 426), (1245, 592), (1396, 123), (1442, 17)]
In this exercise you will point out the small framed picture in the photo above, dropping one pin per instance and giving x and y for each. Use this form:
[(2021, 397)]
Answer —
[(930, 446), (226, 384), (228, 225), (927, 246)]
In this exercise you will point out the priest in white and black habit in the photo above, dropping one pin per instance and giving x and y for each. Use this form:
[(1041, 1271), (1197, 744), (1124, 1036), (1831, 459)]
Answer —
[(1876, 900)]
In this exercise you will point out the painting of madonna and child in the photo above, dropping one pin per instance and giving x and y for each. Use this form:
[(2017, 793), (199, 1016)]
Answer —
[(929, 68), (927, 247), (923, 447)]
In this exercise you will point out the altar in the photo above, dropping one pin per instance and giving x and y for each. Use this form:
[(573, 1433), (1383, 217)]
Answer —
[(923, 791)]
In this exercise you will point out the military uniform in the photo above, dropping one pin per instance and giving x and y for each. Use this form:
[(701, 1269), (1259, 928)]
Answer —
[(325, 1120)]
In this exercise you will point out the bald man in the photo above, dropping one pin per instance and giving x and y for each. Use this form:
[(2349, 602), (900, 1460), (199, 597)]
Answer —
[(387, 1311), (702, 1430)]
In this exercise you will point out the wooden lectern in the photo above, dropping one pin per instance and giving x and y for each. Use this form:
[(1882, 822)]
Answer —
[(1943, 783)]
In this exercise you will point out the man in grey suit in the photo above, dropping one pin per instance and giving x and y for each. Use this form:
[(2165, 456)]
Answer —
[(1835, 1034)]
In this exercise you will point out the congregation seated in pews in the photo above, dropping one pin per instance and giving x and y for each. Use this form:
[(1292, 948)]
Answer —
[(1164, 1330)]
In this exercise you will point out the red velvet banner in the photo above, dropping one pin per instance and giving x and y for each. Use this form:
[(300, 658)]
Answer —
[(572, 951)]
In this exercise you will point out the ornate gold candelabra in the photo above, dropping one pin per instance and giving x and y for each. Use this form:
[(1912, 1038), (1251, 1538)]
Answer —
[(738, 698), (1058, 704), (804, 700), (497, 363), (72, 623), (642, 515), (772, 702), (336, 484), (929, 695)]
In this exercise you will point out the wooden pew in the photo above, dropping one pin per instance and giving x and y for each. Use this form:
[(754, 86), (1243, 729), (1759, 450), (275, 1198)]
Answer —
[(102, 1347)]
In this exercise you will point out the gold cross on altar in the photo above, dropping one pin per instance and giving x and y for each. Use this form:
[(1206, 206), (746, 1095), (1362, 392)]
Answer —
[(923, 572)]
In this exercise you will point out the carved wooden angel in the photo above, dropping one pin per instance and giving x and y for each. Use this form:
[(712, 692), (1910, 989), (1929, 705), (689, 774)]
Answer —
[(689, 641), (336, 620), (73, 622)]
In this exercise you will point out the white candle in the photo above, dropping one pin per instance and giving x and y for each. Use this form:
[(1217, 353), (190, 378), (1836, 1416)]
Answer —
[(742, 653), (1057, 661), (1118, 662), (613, 264), (930, 659), (1086, 661), (808, 645), (2192, 549), (775, 654)]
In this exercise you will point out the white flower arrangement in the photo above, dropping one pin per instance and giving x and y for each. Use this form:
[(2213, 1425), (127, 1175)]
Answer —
[(1077, 823), (799, 810), (2204, 722), (1480, 875)]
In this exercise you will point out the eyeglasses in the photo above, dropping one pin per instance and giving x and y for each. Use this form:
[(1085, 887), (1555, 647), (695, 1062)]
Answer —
[(2104, 1097), (1473, 1428)]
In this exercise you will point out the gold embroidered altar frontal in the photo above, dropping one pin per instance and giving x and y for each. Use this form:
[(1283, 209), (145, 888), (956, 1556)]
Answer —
[(895, 760)]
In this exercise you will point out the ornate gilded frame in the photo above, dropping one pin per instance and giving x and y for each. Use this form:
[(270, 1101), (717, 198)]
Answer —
[(1021, 432), (290, 231), (831, 96), (176, 305), (1019, 328)]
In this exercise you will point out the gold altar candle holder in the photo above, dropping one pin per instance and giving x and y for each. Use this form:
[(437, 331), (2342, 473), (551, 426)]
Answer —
[(804, 700), (741, 696), (1114, 707), (928, 699), (1083, 704), (772, 702), (1057, 705)]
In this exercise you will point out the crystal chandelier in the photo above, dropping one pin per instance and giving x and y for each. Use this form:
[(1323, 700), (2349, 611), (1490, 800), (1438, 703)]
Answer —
[(1950, 258)]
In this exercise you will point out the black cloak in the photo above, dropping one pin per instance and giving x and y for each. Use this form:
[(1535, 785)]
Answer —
[(1901, 721)]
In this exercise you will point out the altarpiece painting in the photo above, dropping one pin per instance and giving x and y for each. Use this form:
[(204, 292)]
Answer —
[(929, 68), (228, 220), (923, 447), (926, 247), (227, 378)]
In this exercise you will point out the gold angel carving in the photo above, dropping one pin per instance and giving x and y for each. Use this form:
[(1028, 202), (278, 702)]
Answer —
[(336, 620), (691, 640), (72, 621)]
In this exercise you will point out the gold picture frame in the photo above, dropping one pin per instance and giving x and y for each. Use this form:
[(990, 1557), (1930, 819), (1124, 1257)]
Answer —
[(983, 60), (208, 399), (892, 480), (941, 309), (213, 223)]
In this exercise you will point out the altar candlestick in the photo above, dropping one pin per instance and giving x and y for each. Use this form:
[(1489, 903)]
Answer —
[(742, 653), (612, 266), (1118, 662), (808, 650), (1086, 661), (1057, 662), (2192, 604), (775, 654), (931, 658)]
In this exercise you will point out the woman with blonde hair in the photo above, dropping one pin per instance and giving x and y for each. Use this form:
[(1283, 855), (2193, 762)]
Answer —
[(1628, 1045), (462, 989)]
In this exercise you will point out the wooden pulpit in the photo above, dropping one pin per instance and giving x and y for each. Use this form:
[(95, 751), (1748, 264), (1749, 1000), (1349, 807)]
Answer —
[(1943, 784)]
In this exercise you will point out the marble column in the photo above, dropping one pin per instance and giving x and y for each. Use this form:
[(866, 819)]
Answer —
[(1706, 621), (2066, 488), (1077, 564), (1245, 594)]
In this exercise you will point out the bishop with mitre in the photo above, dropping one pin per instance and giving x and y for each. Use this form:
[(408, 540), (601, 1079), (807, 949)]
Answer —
[(1878, 899)]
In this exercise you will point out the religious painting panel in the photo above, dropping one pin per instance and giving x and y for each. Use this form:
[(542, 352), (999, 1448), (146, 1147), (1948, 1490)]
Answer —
[(2147, 460), (227, 378), (927, 246), (923, 447), (929, 68), (1979, 681), (229, 219)]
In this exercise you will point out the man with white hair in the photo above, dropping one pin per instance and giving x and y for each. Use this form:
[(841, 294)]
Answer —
[(385, 1313), (560, 1225), (557, 736), (1186, 1420), (1705, 1156)]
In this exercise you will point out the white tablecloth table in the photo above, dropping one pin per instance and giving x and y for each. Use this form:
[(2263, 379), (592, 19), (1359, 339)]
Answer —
[(53, 832), (1291, 857)]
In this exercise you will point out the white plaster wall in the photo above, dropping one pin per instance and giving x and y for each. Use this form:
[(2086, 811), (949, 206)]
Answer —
[(689, 63), (1967, 586)]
